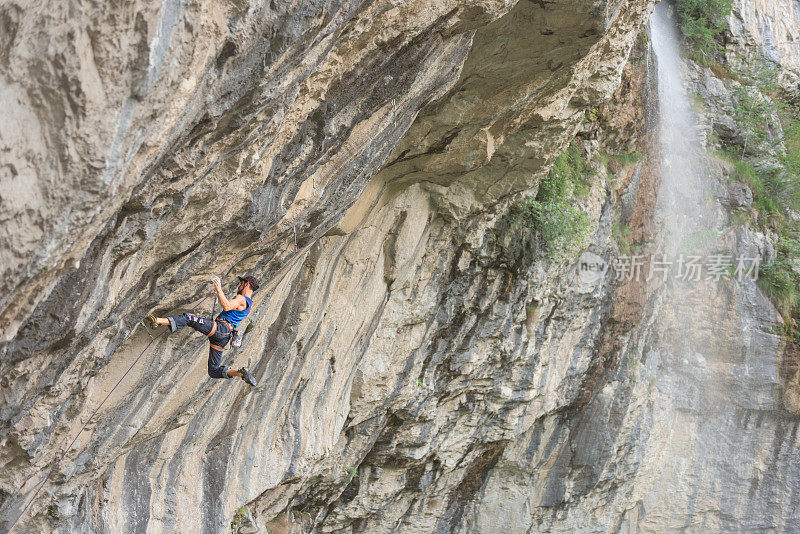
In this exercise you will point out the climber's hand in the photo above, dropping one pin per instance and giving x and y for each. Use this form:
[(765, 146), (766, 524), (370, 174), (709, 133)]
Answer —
[(216, 281)]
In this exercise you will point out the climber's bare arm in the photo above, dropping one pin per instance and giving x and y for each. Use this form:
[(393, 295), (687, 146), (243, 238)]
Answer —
[(236, 303)]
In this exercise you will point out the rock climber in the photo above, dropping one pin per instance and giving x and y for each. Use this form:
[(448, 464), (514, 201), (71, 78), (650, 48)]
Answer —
[(219, 330)]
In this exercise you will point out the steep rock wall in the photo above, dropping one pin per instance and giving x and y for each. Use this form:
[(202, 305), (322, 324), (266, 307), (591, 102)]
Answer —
[(691, 427), (166, 142), (773, 28)]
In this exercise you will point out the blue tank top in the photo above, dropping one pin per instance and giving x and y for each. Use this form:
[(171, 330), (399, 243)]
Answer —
[(235, 316)]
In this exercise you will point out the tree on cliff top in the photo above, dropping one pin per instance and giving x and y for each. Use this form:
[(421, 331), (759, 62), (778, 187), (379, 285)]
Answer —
[(702, 22)]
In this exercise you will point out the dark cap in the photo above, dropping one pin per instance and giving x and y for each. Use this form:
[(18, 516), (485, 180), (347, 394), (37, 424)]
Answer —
[(251, 281)]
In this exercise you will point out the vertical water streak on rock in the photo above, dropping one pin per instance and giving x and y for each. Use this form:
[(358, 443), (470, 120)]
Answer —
[(679, 205), (713, 359), (169, 13), (685, 430)]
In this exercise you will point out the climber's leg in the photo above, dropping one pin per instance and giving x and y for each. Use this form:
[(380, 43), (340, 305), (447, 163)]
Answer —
[(201, 324), (215, 367)]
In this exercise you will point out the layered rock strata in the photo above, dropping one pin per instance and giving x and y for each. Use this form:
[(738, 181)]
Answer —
[(155, 144)]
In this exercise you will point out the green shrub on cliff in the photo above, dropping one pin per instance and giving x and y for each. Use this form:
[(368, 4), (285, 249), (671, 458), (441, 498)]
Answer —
[(754, 69), (238, 520), (772, 194), (564, 228), (780, 278), (765, 188), (623, 235), (791, 158), (568, 176), (754, 114), (780, 283), (552, 214), (702, 22), (791, 133)]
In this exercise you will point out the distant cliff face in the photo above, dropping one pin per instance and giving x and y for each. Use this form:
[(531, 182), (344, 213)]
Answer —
[(773, 27)]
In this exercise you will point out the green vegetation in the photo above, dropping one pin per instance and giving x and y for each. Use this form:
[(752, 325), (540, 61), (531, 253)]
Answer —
[(764, 187), (772, 198), (622, 235), (778, 283), (238, 519), (767, 119), (747, 174), (770, 120), (741, 218), (627, 159), (352, 473), (569, 176), (791, 158), (771, 124), (776, 278), (791, 132), (753, 113), (562, 226), (616, 163), (755, 70), (702, 23)]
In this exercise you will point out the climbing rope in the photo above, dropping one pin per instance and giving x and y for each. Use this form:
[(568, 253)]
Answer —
[(152, 339)]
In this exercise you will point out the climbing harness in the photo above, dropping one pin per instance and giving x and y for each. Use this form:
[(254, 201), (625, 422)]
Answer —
[(152, 339), (213, 327)]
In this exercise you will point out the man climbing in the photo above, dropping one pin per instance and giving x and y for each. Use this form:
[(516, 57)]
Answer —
[(218, 331)]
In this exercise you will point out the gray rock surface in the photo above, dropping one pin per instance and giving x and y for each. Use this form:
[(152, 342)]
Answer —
[(159, 143), (423, 365), (692, 429), (773, 28)]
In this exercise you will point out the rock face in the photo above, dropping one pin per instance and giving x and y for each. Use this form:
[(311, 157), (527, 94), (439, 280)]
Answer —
[(773, 28), (423, 365), (155, 144)]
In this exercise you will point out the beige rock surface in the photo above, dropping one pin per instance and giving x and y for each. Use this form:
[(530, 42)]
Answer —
[(150, 145), (772, 27), (405, 385)]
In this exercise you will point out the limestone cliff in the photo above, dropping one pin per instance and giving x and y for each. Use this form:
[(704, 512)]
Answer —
[(424, 365), (150, 145), (773, 28)]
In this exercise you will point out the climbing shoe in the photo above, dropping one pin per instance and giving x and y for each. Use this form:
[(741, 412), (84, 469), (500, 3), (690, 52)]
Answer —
[(247, 377), (150, 321)]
